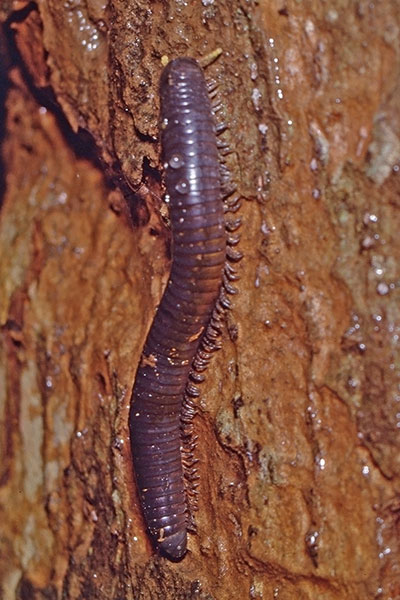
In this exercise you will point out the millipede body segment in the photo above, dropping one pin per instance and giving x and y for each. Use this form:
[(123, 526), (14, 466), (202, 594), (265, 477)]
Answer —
[(193, 183)]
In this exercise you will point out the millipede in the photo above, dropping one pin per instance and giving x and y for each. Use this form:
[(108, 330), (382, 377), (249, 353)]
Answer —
[(186, 329)]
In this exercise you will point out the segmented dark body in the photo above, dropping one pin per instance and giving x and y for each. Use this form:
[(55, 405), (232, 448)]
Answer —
[(192, 177)]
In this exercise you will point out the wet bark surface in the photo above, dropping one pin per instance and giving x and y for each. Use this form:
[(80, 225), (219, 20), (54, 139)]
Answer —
[(299, 422)]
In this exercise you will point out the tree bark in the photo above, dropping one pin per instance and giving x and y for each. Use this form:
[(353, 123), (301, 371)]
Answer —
[(299, 417)]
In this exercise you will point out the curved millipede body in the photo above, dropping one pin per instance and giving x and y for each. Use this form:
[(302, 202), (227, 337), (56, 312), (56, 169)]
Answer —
[(193, 182)]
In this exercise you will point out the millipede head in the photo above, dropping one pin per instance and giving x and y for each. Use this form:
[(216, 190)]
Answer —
[(174, 546)]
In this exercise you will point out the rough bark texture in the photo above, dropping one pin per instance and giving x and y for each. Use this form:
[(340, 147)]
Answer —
[(299, 431)]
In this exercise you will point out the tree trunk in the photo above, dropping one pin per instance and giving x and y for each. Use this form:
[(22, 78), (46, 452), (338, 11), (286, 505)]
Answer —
[(299, 416)]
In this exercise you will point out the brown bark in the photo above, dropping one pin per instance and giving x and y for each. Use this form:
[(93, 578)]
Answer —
[(299, 429)]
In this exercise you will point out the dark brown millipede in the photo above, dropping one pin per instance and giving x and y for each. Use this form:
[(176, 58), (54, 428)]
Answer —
[(188, 321)]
